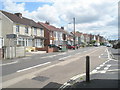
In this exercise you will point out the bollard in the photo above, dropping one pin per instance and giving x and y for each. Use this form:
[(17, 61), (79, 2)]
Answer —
[(87, 68)]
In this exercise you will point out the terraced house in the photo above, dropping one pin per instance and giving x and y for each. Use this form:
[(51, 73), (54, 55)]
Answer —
[(54, 35), (28, 32)]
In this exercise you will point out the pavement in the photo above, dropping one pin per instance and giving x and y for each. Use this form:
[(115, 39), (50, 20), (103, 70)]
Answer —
[(28, 54), (105, 75)]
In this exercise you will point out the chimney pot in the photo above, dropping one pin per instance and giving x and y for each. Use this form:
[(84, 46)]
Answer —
[(47, 23), (19, 15), (62, 28)]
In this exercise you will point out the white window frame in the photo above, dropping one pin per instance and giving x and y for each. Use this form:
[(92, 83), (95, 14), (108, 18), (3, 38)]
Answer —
[(17, 28), (26, 30), (35, 31)]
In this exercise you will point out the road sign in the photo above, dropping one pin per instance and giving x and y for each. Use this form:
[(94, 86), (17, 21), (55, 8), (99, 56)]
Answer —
[(10, 36)]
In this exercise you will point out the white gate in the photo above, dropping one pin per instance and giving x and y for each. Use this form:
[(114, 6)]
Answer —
[(13, 52)]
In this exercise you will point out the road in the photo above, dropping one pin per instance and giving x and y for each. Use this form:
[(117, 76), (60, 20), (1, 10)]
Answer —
[(51, 70), (38, 59)]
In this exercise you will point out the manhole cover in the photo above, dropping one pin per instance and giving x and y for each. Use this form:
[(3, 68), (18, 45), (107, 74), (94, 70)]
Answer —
[(40, 78)]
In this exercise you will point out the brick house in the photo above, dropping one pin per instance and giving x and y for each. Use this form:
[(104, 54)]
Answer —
[(54, 35)]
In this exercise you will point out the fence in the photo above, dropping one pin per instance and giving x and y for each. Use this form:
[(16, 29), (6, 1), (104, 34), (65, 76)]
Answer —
[(13, 52)]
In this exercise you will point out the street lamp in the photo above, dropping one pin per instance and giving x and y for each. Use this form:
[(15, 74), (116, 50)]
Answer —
[(74, 30)]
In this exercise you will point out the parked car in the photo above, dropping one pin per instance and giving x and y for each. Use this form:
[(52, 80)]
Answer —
[(109, 45), (116, 46), (60, 47), (97, 44), (70, 46), (52, 45)]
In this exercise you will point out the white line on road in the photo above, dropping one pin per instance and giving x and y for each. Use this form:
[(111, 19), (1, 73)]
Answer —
[(98, 67), (49, 56), (99, 56), (62, 53), (105, 69), (65, 57), (52, 56), (101, 65), (33, 67), (9, 63), (94, 71)]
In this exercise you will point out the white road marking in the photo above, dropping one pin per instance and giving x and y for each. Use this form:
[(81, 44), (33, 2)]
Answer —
[(94, 71), (65, 57), (98, 67), (52, 56), (101, 65), (9, 63), (62, 53), (106, 68), (108, 65), (49, 56), (99, 56), (103, 71), (33, 67)]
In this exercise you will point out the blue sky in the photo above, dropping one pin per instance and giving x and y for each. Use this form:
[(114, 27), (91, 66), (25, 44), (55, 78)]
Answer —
[(92, 16), (31, 6)]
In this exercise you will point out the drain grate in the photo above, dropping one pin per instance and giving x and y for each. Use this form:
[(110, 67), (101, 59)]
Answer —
[(41, 78)]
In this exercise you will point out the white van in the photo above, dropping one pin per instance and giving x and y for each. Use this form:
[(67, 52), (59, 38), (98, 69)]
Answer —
[(97, 44)]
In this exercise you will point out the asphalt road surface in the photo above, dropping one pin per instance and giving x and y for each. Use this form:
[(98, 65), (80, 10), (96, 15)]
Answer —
[(31, 61), (51, 70)]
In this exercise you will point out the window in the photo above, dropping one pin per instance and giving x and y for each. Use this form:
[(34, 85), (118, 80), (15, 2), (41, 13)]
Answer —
[(26, 30), (38, 43), (30, 42), (35, 31), (17, 28), (41, 31)]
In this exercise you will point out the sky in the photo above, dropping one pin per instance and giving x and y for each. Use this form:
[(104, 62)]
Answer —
[(91, 16)]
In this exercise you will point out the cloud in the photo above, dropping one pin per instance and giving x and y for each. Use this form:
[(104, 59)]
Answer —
[(92, 16)]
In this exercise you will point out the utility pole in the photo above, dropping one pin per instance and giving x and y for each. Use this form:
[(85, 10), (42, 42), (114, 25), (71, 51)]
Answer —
[(74, 29)]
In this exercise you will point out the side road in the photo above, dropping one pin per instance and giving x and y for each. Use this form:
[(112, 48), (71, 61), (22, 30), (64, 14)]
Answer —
[(104, 76)]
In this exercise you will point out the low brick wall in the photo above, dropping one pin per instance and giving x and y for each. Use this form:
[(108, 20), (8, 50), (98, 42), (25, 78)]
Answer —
[(41, 49), (49, 50)]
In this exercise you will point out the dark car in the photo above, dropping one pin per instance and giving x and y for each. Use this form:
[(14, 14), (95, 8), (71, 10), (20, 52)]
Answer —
[(116, 46), (52, 46)]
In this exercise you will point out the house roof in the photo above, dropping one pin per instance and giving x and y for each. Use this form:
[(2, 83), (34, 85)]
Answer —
[(52, 28), (48, 27), (77, 33), (21, 20)]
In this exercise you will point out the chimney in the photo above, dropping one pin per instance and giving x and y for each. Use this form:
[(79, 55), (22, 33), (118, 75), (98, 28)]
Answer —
[(19, 15), (47, 23), (62, 28)]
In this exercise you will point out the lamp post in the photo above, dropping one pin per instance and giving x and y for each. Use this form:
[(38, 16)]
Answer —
[(74, 30)]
